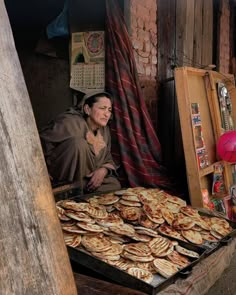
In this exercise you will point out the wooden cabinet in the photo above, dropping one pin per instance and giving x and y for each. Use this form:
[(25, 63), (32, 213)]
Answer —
[(201, 126)]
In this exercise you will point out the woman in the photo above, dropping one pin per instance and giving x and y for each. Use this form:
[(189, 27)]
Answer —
[(77, 145)]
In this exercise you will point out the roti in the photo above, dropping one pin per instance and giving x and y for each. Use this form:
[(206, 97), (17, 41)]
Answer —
[(173, 207), (165, 267), (122, 263), (112, 219), (160, 246), (138, 249), (130, 203), (107, 199), (79, 216), (123, 229), (189, 211), (145, 231), (178, 259), (133, 257), (72, 205), (142, 274), (96, 243), (72, 240), (61, 214), (130, 213), (97, 211), (167, 215), (90, 227), (186, 252), (170, 232), (192, 236), (146, 222), (220, 229), (176, 200), (182, 222)]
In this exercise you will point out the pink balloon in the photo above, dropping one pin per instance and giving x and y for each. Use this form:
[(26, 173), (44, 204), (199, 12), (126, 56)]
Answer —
[(226, 146)]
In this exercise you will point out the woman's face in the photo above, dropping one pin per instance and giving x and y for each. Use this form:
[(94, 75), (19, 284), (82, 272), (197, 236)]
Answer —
[(99, 114)]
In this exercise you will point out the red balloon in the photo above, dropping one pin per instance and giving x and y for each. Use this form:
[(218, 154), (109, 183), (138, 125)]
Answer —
[(226, 146)]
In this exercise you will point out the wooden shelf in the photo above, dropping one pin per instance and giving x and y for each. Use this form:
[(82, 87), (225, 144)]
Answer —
[(196, 86)]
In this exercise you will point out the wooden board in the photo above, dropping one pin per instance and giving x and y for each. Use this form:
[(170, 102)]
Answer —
[(195, 86)]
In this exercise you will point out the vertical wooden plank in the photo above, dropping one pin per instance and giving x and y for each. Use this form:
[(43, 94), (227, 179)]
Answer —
[(184, 32), (33, 257), (207, 32), (166, 41), (197, 34)]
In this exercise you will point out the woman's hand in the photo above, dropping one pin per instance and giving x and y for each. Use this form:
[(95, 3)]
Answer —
[(96, 179)]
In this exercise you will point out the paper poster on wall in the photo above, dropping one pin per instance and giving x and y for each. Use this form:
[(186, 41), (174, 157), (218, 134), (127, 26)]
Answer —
[(88, 61)]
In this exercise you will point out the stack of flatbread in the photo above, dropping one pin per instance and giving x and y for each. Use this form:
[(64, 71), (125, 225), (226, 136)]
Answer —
[(130, 229)]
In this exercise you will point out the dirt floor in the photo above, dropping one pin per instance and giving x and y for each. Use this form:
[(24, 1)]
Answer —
[(226, 285)]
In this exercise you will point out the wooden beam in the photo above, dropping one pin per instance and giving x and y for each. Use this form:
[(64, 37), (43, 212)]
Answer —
[(33, 258)]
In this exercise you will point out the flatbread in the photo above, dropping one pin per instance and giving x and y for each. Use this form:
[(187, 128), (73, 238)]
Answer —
[(96, 243), (167, 215), (112, 219), (90, 227), (182, 222), (72, 240), (220, 229), (107, 199), (123, 229), (142, 274), (178, 259), (130, 213), (97, 211), (170, 232), (79, 216), (189, 211), (130, 203), (160, 246), (176, 200), (186, 252), (165, 267), (192, 236), (138, 249), (72, 205), (61, 214), (133, 257)]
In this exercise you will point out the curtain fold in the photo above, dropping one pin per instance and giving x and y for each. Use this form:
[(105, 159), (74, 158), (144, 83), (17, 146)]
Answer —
[(135, 143)]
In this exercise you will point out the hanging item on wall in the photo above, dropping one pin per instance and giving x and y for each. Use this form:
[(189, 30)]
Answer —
[(201, 153), (225, 105), (88, 61), (218, 185)]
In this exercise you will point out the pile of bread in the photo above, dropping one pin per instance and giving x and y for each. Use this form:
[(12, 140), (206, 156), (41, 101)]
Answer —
[(138, 230)]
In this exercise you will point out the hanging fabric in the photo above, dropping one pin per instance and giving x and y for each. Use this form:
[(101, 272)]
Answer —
[(135, 144)]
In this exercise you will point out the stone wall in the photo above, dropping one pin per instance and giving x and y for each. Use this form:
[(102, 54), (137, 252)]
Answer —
[(143, 33)]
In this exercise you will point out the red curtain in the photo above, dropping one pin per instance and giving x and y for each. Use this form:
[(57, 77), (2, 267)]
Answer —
[(135, 143)]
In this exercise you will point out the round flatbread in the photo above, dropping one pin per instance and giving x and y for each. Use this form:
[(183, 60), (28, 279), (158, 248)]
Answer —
[(107, 199), (165, 267), (90, 227), (186, 252), (142, 274), (130, 213), (96, 243), (112, 219), (189, 211), (138, 249), (192, 236)]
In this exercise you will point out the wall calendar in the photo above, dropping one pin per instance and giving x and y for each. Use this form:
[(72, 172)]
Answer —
[(88, 61)]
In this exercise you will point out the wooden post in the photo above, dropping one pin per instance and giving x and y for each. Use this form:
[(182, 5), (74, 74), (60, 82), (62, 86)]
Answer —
[(33, 257)]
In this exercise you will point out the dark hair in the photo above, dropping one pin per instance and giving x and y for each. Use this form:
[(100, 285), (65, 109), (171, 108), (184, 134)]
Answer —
[(95, 98)]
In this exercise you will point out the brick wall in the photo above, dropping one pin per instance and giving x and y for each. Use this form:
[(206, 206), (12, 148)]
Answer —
[(224, 37), (143, 33)]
